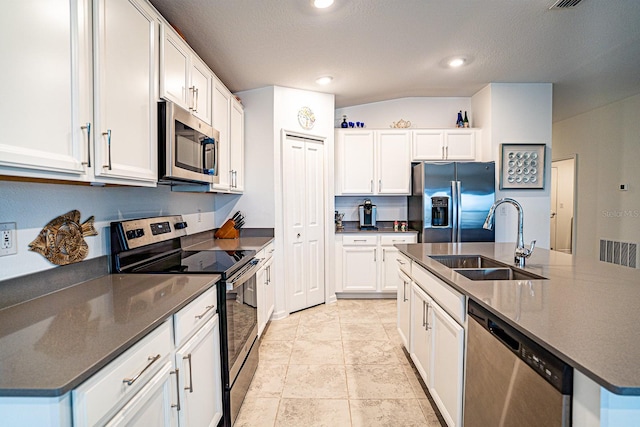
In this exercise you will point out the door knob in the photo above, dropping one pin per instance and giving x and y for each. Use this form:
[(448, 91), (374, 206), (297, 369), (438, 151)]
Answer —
[(298, 236)]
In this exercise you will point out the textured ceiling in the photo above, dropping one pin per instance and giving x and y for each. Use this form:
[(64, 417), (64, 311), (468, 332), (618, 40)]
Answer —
[(385, 49)]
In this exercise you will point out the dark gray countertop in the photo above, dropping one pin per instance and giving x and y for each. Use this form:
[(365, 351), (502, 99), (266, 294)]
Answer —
[(383, 227), (51, 344), (586, 313), (243, 243)]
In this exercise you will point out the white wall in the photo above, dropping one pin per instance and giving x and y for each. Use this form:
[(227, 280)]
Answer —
[(32, 205), (518, 113), (607, 141), (422, 112)]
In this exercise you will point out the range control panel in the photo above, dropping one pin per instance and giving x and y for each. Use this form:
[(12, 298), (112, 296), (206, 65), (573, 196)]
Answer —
[(136, 233)]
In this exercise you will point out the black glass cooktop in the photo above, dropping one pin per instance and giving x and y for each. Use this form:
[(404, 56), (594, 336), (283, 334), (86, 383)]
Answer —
[(218, 262)]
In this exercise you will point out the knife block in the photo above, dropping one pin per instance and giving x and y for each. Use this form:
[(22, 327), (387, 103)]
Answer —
[(227, 231)]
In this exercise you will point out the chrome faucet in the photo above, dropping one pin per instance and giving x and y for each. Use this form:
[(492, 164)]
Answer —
[(521, 253)]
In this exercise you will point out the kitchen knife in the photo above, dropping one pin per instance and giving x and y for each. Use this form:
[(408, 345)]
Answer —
[(237, 216), (239, 224)]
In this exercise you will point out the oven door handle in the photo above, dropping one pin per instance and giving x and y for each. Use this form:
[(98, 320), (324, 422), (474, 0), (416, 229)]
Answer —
[(245, 274)]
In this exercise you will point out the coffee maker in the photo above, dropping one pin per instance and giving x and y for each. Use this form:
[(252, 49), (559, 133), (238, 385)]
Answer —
[(367, 212)]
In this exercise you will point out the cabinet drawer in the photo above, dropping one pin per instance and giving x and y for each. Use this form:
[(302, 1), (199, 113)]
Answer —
[(397, 239), (360, 239), (269, 250), (404, 264), (194, 315), (449, 299), (107, 390)]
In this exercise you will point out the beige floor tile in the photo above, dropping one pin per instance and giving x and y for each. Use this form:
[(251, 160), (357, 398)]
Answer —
[(363, 331), (292, 318), (377, 382), (359, 316), (354, 304), (387, 314), (391, 328), (369, 353), (328, 331), (275, 352), (429, 413), (257, 412), (315, 381), (319, 316), (391, 413), (307, 352), (268, 381), (313, 413), (281, 332)]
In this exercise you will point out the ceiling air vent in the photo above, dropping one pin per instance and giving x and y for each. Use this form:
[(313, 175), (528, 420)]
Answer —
[(565, 4)]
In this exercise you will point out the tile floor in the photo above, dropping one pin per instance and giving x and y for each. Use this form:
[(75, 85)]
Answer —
[(336, 365)]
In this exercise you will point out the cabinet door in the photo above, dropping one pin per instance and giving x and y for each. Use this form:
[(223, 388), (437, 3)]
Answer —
[(403, 298), (359, 268), (198, 363), (420, 339), (460, 144), (428, 145), (393, 162), (46, 88), (261, 289), (126, 62), (448, 366), (389, 276), (221, 105), (152, 405), (355, 158), (236, 148), (270, 291), (174, 67), (201, 89)]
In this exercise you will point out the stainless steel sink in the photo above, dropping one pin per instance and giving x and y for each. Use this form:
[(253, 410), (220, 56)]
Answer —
[(466, 261), (478, 267), (497, 274)]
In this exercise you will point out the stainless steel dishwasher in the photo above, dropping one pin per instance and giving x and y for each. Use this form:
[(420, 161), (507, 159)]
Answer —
[(510, 380)]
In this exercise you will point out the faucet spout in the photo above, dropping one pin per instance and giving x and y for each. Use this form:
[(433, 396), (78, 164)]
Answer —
[(521, 253)]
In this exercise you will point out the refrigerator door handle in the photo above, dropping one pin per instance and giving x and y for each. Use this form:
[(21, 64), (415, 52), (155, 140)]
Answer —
[(459, 214), (454, 211)]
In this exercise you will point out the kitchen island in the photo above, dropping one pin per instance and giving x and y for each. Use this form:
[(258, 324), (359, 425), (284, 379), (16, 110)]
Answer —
[(585, 312)]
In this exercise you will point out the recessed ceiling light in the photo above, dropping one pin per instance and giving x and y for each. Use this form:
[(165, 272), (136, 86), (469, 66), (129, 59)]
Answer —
[(456, 62), (325, 80), (322, 4)]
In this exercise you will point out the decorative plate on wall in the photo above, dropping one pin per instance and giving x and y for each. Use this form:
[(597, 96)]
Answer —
[(306, 118), (522, 166)]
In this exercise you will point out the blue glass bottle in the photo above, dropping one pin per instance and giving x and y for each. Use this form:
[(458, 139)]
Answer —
[(344, 123)]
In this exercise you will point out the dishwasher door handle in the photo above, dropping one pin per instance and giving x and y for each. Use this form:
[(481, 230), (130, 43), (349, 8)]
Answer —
[(503, 336)]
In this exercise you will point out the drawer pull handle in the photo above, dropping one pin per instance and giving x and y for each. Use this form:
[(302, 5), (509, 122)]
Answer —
[(177, 374), (208, 308), (360, 240), (190, 388), (400, 262), (152, 360)]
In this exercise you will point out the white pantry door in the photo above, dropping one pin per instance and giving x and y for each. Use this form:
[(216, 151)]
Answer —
[(303, 200)]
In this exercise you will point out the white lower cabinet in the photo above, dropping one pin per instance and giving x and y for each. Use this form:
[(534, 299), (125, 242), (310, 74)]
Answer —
[(436, 316), (420, 346), (404, 308), (199, 378), (151, 406), (266, 288), (367, 262), (447, 378)]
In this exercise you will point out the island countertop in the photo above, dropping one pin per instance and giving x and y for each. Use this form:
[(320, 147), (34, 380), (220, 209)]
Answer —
[(587, 312)]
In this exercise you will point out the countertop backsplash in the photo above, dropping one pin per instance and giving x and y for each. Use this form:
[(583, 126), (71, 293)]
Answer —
[(389, 208)]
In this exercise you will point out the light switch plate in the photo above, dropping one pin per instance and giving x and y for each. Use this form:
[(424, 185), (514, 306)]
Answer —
[(8, 244)]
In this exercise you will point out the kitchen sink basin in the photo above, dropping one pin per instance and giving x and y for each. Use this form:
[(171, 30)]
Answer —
[(478, 267), (466, 261), (502, 273)]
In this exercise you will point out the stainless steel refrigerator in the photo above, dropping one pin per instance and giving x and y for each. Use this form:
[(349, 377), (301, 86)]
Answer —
[(450, 200)]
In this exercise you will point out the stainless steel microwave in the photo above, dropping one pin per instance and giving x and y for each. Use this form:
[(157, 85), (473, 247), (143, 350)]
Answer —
[(187, 147)]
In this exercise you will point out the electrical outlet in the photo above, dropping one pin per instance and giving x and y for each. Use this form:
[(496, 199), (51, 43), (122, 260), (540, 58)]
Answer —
[(8, 244)]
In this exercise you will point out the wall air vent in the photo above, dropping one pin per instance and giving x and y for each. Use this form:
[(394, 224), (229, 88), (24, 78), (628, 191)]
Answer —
[(565, 4), (621, 253)]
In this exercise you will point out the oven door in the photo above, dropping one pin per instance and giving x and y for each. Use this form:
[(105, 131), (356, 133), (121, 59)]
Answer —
[(241, 316)]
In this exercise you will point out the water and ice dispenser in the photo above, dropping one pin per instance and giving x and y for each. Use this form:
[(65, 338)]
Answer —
[(439, 211)]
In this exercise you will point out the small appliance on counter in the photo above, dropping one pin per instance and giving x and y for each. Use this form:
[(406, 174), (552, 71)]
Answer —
[(368, 213)]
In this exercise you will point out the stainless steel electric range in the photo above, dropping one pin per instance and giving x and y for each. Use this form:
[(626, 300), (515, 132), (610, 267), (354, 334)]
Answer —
[(153, 245)]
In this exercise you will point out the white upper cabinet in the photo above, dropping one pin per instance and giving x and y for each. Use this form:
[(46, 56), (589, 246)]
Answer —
[(373, 162), (447, 144), (90, 115), (236, 149), (46, 88), (125, 53), (184, 78)]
